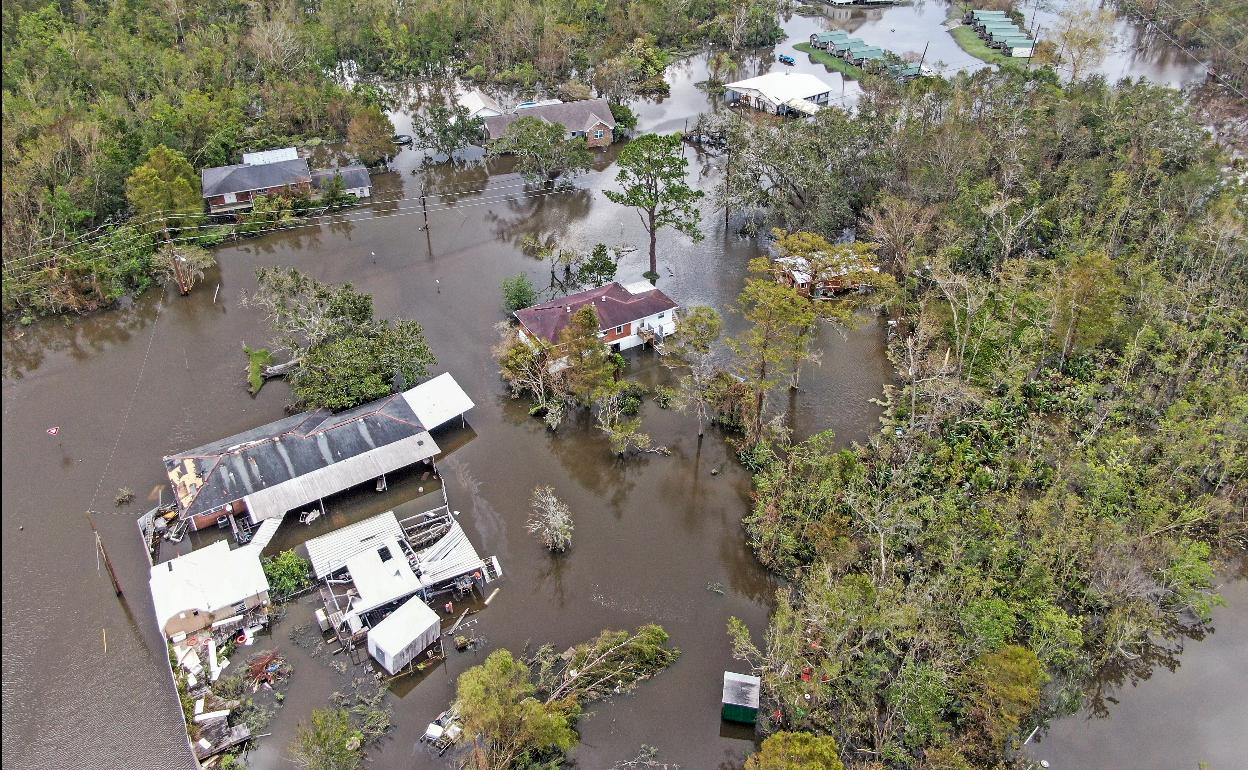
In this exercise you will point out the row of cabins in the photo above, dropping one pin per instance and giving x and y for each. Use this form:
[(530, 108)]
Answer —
[(232, 189), (999, 31), (781, 93), (261, 475), (863, 54)]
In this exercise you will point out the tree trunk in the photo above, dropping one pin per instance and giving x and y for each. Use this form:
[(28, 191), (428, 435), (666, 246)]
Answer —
[(279, 370), (654, 257)]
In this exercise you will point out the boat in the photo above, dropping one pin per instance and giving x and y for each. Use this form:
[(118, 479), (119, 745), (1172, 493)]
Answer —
[(401, 139), (784, 58)]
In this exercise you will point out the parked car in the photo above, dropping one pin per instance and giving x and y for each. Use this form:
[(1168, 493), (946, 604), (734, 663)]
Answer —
[(401, 139)]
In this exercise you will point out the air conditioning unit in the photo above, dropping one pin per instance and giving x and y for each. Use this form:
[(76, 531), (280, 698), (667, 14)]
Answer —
[(322, 620)]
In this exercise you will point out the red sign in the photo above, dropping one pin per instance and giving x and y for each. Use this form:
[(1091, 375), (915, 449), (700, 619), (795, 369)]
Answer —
[(55, 429)]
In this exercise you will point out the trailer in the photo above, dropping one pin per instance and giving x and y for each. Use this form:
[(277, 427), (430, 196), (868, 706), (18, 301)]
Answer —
[(411, 629)]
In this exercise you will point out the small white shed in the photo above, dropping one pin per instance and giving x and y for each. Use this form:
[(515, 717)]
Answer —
[(404, 634)]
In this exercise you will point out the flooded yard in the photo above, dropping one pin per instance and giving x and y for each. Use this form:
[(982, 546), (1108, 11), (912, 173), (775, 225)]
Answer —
[(85, 683)]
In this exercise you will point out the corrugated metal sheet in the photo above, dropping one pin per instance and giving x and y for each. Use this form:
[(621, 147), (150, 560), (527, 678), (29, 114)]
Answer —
[(278, 499), (451, 556), (330, 553)]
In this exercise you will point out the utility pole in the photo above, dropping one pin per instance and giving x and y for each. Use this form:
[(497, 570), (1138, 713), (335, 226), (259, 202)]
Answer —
[(99, 546), (1035, 41), (727, 175), (923, 58), (424, 208)]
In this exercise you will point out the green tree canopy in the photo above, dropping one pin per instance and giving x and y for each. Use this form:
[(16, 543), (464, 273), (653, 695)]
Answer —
[(370, 135), (542, 149), (518, 293), (327, 741), (164, 192), (652, 178), (509, 726), (796, 751), (590, 371), (350, 370), (445, 129)]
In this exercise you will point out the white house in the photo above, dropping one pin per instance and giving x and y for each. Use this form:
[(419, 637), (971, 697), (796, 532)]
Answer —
[(212, 585), (774, 91), (628, 315)]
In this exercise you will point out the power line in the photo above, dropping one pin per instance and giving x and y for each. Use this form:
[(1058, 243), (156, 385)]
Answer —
[(49, 254), (166, 214), (401, 213)]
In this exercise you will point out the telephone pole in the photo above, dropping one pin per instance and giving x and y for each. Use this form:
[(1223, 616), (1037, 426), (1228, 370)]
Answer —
[(99, 546)]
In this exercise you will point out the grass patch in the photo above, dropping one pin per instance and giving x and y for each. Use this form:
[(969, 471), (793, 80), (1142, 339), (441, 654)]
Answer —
[(831, 62), (972, 43), (257, 359)]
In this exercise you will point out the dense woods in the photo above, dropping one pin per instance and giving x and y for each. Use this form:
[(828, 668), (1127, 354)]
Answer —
[(91, 88), (1064, 456)]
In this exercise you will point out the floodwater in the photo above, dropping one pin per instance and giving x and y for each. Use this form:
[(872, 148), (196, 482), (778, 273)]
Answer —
[(166, 373), (85, 683)]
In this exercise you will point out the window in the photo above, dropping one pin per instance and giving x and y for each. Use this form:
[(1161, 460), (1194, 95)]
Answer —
[(384, 553), (661, 315), (619, 330), (231, 198), (240, 608), (599, 133)]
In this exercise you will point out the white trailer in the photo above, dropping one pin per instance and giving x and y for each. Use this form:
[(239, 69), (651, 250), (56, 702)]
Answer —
[(404, 634)]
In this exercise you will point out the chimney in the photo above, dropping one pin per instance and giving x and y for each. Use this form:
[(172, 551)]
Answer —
[(568, 308)]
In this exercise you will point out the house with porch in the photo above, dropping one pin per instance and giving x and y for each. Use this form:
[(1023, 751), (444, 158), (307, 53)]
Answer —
[(781, 93), (587, 118), (271, 172), (628, 316), (268, 471)]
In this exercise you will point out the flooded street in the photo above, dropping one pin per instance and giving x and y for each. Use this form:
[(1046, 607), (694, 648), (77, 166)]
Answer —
[(85, 679)]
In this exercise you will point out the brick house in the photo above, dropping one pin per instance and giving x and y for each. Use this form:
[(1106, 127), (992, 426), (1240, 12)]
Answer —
[(627, 315), (233, 188), (587, 118)]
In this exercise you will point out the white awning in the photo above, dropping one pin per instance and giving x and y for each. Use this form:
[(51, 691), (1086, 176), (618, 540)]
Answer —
[(437, 401)]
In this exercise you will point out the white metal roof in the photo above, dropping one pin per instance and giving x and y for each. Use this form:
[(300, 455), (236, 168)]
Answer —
[(278, 499), (638, 287), (411, 622), (741, 689), (780, 87), (264, 157), (381, 580), (438, 400), (330, 553), (209, 579)]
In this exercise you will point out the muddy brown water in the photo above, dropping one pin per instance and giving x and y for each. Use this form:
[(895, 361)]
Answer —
[(84, 679), (165, 373)]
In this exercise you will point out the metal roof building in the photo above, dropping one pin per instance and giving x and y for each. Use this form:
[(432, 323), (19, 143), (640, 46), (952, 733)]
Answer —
[(276, 468), (331, 552), (772, 92)]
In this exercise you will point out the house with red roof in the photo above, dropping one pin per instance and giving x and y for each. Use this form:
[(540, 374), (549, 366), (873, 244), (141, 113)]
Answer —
[(628, 316)]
